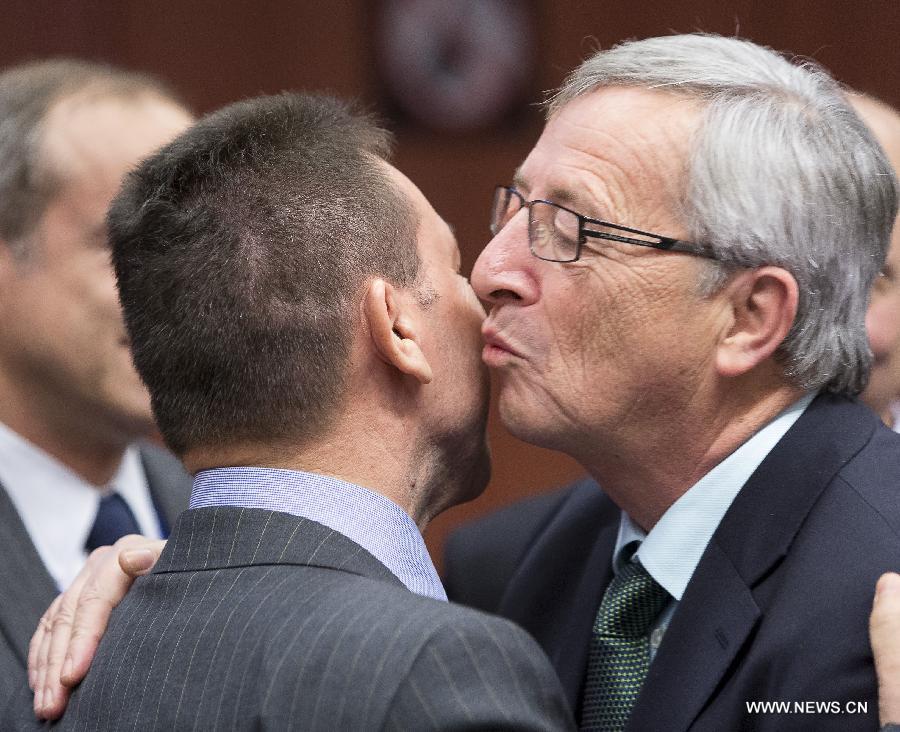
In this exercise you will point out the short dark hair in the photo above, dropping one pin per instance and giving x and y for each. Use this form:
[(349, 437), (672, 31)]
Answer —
[(27, 94), (240, 249)]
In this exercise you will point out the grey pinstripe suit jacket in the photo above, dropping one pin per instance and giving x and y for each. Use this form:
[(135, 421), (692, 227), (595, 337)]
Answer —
[(260, 620), (27, 589)]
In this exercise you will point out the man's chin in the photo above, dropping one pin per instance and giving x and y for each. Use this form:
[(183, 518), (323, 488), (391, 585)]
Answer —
[(131, 417), (879, 394), (481, 475), (466, 477), (517, 419)]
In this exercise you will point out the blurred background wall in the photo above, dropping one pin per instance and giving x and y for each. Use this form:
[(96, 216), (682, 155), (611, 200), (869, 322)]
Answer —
[(455, 79)]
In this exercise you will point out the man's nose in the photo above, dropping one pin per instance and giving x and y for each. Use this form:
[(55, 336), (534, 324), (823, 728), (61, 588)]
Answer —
[(505, 269)]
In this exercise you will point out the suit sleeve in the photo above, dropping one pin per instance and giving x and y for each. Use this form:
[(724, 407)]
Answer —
[(485, 673)]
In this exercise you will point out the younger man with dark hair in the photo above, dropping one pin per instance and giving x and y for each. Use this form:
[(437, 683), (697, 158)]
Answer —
[(296, 310)]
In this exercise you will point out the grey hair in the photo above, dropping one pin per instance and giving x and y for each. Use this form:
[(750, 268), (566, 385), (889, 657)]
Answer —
[(782, 172), (27, 94)]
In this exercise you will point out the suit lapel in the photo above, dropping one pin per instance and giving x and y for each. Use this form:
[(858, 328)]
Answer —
[(221, 537), (718, 612), (716, 615), (557, 589), (28, 589)]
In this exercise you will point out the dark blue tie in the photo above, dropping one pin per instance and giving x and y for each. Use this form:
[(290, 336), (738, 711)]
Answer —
[(114, 520)]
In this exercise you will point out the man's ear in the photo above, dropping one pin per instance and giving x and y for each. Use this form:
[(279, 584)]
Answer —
[(764, 304), (393, 331)]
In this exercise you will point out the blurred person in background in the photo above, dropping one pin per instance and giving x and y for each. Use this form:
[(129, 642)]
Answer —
[(882, 394), (883, 321), (321, 379), (72, 407)]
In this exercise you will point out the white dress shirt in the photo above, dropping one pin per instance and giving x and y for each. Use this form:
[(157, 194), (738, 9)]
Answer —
[(58, 507), (672, 550)]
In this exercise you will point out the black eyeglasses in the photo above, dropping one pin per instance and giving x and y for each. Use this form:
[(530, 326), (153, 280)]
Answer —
[(556, 233)]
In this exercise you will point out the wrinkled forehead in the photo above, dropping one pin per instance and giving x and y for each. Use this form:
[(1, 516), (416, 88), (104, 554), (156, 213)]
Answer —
[(616, 149)]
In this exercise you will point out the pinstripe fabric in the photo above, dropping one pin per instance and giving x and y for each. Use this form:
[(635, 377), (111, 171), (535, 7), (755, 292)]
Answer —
[(255, 619)]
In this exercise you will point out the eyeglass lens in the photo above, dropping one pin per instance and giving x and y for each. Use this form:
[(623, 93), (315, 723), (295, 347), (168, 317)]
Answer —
[(505, 205), (552, 232)]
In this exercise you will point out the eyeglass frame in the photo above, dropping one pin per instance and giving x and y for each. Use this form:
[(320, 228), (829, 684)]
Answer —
[(664, 243)]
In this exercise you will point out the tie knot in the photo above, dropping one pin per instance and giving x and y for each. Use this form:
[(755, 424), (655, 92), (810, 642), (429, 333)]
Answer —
[(632, 602), (113, 521)]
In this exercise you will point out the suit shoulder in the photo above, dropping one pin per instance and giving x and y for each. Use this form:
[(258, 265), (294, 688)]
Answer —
[(874, 476), (491, 675), (392, 616), (289, 647), (481, 557), (373, 651), (399, 621)]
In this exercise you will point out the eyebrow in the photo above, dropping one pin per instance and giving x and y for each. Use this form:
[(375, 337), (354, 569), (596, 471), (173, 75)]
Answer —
[(558, 195), (518, 180)]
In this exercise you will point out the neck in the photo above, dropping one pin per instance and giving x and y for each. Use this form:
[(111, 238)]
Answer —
[(887, 415), (384, 436), (79, 444), (365, 458), (644, 478)]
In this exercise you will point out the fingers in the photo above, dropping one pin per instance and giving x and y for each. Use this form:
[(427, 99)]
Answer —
[(35, 644), (42, 660), (884, 627), (141, 559), (105, 588), (56, 627), (65, 644)]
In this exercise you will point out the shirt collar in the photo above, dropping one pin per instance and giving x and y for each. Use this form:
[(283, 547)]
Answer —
[(895, 415), (674, 546), (58, 507), (368, 518)]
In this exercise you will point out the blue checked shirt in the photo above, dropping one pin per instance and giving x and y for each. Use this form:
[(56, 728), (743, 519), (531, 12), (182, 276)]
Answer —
[(374, 522)]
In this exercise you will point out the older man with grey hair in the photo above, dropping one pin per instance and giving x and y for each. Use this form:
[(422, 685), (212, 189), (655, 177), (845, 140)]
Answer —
[(678, 286)]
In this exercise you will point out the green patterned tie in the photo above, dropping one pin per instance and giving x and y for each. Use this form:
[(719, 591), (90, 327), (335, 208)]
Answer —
[(619, 656)]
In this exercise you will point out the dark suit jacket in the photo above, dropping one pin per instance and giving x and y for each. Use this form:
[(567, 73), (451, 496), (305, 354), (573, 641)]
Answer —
[(260, 620), (26, 588), (776, 610)]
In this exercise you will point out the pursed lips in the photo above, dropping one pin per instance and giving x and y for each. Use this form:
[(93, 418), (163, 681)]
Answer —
[(494, 342)]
